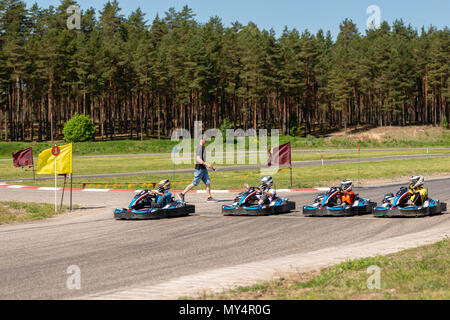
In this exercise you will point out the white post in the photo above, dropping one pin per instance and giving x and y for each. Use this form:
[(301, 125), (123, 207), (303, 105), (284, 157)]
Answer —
[(56, 204), (359, 163)]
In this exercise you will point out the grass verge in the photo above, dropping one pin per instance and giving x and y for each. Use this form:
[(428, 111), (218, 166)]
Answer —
[(138, 163), (419, 273), (429, 137), (12, 212), (302, 177)]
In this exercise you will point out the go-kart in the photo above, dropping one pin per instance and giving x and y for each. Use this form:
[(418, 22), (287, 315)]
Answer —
[(397, 206), (330, 204), (143, 207), (246, 204)]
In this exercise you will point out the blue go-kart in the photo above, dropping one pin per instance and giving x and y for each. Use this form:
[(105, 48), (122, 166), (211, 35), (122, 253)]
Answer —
[(246, 204), (329, 204), (144, 207), (397, 206)]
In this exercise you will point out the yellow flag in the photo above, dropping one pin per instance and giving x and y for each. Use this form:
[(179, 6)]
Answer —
[(46, 163)]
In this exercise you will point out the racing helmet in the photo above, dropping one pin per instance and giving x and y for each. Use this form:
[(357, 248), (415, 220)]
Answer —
[(347, 185), (416, 181), (164, 185), (266, 181)]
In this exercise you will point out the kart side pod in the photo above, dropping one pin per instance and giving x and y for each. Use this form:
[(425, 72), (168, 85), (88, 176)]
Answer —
[(142, 207), (246, 204), (397, 206), (329, 204), (154, 213), (435, 208)]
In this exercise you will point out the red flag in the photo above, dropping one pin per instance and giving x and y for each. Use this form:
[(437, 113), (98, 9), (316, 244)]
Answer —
[(23, 157), (280, 155)]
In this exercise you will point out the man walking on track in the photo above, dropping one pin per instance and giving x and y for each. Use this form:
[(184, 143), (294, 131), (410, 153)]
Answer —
[(201, 171)]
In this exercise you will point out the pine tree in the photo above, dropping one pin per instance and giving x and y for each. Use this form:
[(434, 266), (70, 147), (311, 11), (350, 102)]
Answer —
[(139, 79), (14, 24)]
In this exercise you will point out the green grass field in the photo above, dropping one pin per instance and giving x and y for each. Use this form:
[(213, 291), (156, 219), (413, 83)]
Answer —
[(138, 163), (431, 137), (148, 155), (303, 177), (11, 212), (419, 273)]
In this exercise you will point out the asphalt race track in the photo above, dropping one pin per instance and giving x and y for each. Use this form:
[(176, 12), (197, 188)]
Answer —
[(115, 255)]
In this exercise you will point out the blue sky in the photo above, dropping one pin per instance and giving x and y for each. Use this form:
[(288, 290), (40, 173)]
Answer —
[(299, 14)]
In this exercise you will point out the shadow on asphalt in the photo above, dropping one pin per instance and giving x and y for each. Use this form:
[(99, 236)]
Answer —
[(89, 208)]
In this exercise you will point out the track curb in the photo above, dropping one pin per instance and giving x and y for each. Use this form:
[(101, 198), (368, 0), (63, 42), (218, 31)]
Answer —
[(19, 187)]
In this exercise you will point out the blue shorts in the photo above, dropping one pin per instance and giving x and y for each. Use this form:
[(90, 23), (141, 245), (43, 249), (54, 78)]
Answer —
[(201, 174)]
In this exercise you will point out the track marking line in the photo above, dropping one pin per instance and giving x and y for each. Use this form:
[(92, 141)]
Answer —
[(137, 191)]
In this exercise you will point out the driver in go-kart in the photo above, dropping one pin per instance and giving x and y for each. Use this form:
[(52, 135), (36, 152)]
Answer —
[(162, 192), (417, 193), (347, 195), (266, 193)]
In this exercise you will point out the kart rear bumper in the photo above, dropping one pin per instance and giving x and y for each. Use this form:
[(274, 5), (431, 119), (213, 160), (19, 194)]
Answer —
[(150, 214), (441, 207), (308, 211), (234, 211)]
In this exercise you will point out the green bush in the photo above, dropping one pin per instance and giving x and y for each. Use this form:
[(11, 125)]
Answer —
[(226, 125), (295, 131), (79, 129), (444, 123)]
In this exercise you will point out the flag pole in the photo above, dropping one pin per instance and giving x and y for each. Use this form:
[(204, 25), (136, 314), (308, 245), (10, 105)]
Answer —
[(359, 163), (173, 173), (173, 179), (290, 161), (56, 151), (56, 201), (71, 180), (64, 188), (32, 162), (291, 174)]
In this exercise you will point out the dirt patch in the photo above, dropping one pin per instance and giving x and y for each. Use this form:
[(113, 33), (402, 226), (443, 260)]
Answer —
[(388, 133), (405, 179), (7, 211)]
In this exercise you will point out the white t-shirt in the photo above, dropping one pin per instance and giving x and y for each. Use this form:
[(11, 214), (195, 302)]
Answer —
[(270, 190)]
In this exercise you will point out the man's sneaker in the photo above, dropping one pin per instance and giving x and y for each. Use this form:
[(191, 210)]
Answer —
[(210, 199), (181, 196)]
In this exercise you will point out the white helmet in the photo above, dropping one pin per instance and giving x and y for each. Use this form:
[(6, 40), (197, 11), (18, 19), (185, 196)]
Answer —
[(347, 185), (266, 181), (416, 181)]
